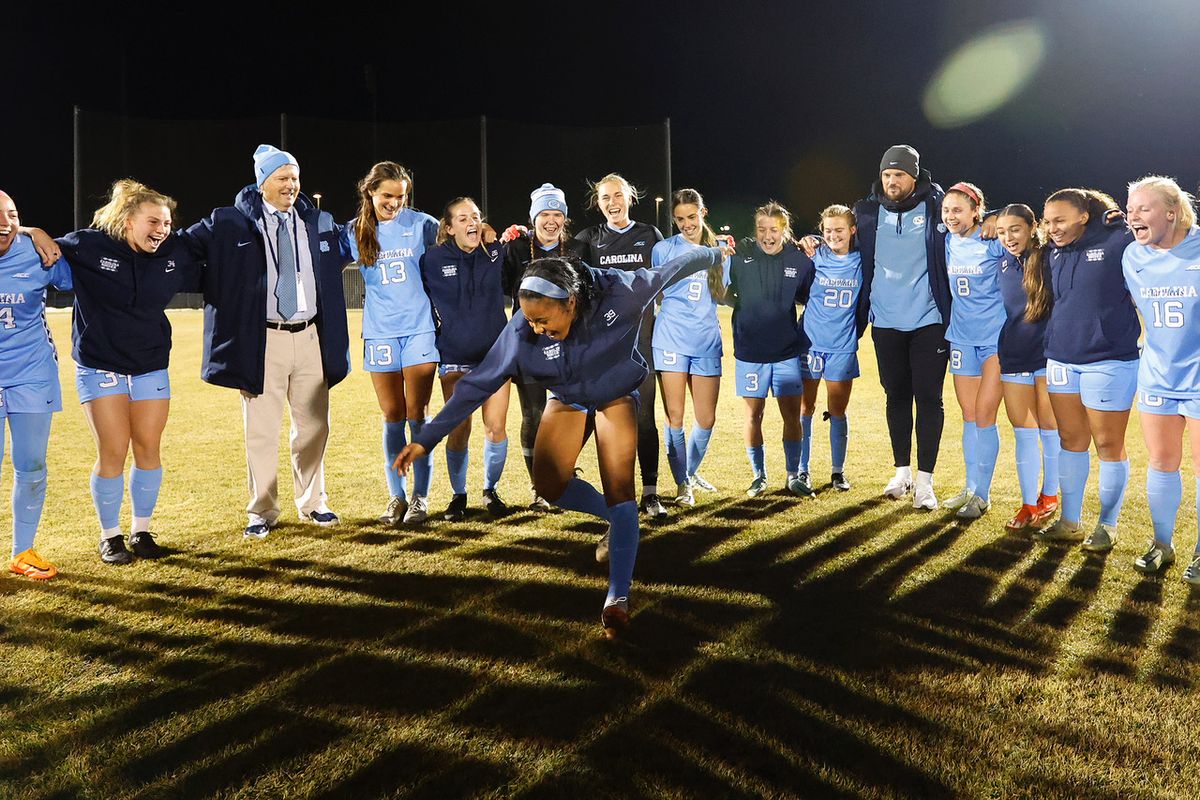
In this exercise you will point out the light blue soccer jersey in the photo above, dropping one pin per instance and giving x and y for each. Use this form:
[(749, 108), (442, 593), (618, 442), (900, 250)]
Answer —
[(977, 311), (829, 315), (900, 294), (27, 352), (396, 303), (1165, 285), (687, 321)]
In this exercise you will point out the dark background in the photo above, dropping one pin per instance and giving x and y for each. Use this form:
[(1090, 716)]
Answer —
[(766, 100)]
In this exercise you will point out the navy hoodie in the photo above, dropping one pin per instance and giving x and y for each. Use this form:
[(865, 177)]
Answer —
[(468, 297), (119, 324), (764, 291), (595, 364), (1094, 318), (1021, 343)]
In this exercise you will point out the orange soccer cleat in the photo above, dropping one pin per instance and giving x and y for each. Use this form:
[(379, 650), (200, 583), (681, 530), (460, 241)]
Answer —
[(1047, 505), (1025, 519), (32, 565)]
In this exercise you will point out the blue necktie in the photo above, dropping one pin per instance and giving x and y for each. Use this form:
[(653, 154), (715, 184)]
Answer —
[(285, 282)]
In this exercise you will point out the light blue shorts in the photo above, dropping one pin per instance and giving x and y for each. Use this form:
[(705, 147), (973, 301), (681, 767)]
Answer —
[(635, 394), (1168, 406), (393, 355), (1023, 378), (94, 383), (670, 361), (30, 398), (446, 369), (781, 378), (1101, 386), (816, 365), (966, 359)]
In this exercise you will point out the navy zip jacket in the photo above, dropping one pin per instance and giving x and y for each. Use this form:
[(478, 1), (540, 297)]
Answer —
[(119, 324), (595, 364), (1094, 318), (866, 216), (235, 291), (1021, 343), (764, 291), (468, 297)]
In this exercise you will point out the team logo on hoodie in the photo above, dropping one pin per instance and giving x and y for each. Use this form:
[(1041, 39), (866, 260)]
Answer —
[(109, 264), (552, 352), (919, 220), (449, 271), (1096, 254), (789, 272)]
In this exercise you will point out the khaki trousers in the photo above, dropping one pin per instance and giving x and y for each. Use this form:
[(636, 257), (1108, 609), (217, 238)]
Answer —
[(292, 372)]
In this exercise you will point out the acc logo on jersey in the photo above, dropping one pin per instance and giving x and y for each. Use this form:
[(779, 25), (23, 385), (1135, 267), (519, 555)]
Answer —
[(610, 317), (449, 271), (109, 264), (26, 274), (1192, 268), (642, 243), (552, 352), (919, 220), (789, 272), (1096, 254)]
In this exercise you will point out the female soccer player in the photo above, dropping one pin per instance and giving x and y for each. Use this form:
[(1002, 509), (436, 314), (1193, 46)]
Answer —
[(621, 243), (464, 277), (29, 388), (1025, 286), (687, 343), (387, 240), (976, 317), (576, 335), (550, 236), (766, 281), (830, 326), (1162, 272), (126, 268), (1091, 357)]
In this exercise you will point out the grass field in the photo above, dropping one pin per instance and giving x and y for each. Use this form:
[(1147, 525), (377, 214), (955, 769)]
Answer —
[(843, 646)]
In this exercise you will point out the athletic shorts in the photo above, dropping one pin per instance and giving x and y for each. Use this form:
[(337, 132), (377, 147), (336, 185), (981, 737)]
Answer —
[(446, 369), (1023, 378), (635, 394), (1102, 386), (816, 365), (966, 359), (781, 378), (400, 352), (30, 398), (670, 361), (1168, 406), (94, 383)]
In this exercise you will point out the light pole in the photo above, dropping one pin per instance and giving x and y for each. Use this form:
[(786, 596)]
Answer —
[(317, 197), (657, 206)]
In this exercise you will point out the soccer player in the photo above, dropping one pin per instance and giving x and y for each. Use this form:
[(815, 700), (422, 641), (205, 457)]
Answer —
[(464, 278), (126, 268), (1025, 286), (830, 325), (687, 343), (766, 281), (1091, 357), (976, 317), (577, 335), (1162, 272), (549, 236), (621, 243), (387, 240), (29, 387)]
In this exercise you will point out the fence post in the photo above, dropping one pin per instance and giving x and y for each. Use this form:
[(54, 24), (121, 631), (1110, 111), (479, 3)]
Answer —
[(77, 196), (483, 164), (283, 131), (667, 144)]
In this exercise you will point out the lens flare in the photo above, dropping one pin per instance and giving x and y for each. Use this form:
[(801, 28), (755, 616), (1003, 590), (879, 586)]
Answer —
[(985, 73)]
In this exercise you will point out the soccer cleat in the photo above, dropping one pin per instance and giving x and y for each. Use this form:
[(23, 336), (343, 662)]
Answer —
[(898, 486), (494, 505), (112, 551), (1192, 573), (1047, 505), (974, 508), (396, 509), (684, 496), (323, 518), (143, 545), (1061, 531), (541, 504), (457, 510), (602, 547), (1025, 519), (1157, 558), (959, 500), (32, 565), (1102, 539), (418, 510), (700, 483), (800, 484), (758, 486), (838, 481), (615, 617), (652, 506), (924, 498)]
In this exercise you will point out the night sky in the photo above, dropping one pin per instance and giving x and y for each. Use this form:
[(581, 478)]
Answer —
[(767, 100)]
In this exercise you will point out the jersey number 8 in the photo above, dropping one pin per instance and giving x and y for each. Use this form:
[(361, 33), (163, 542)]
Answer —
[(963, 285)]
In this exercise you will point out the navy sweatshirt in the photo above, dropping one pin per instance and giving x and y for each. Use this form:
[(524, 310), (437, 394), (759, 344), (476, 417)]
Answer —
[(764, 291), (119, 324), (1094, 318), (517, 257), (595, 364), (467, 293), (1021, 343)]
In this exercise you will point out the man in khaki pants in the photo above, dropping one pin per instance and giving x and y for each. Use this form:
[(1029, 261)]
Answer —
[(275, 328)]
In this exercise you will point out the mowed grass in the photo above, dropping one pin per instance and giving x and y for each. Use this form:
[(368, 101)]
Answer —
[(844, 646)]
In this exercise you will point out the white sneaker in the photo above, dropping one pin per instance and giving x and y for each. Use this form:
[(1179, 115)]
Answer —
[(923, 497), (1192, 573), (900, 485), (418, 510), (684, 495), (959, 500), (395, 511), (1102, 539), (974, 508), (701, 484), (757, 486)]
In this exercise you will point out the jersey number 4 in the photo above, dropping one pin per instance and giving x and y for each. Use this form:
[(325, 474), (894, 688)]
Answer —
[(6, 317)]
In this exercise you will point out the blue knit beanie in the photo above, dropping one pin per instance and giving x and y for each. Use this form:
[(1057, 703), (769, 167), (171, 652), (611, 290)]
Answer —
[(267, 159), (546, 197)]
